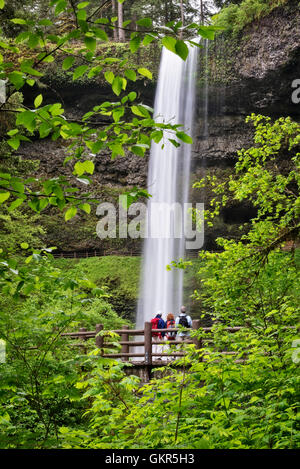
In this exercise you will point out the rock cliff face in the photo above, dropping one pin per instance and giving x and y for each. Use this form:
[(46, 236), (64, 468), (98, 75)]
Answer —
[(252, 73), (238, 76)]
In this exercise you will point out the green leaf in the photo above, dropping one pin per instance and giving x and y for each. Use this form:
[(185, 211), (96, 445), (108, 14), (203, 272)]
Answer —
[(15, 204), (27, 119), (126, 23), (4, 196), (102, 21), (148, 39), (135, 43), (140, 111), (18, 21), (79, 71), (34, 204), (145, 72), (117, 85), (101, 34), (14, 142), (174, 142), (57, 190), (90, 43), (145, 22), (61, 5), (81, 16), (26, 67), (206, 32), (84, 167), (157, 135), (45, 129), (43, 203), (118, 113), (132, 96), (68, 62), (47, 59), (70, 213), (45, 22), (130, 74), (184, 137), (33, 40), (38, 101), (85, 207), (2, 4), (24, 245), (169, 43), (138, 150), (109, 76), (17, 79), (56, 109), (94, 71), (82, 5), (89, 167), (18, 186), (181, 49), (117, 150)]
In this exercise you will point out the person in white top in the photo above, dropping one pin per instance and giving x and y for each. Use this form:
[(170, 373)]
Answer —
[(184, 320)]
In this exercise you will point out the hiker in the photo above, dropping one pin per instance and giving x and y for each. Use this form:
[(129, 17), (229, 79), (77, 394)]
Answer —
[(183, 320), (157, 323), (170, 335)]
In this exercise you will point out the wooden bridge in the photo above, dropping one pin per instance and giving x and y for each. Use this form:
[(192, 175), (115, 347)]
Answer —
[(140, 352)]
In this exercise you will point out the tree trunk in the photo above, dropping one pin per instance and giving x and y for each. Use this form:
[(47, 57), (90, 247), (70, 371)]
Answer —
[(114, 12), (120, 23), (201, 12), (182, 16), (166, 12)]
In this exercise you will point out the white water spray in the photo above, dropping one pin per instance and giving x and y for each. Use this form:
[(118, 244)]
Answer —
[(168, 182)]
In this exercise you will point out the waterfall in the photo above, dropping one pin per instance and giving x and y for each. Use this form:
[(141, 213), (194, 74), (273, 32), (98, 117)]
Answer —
[(168, 183)]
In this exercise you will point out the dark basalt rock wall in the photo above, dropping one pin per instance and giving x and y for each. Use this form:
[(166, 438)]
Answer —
[(250, 73)]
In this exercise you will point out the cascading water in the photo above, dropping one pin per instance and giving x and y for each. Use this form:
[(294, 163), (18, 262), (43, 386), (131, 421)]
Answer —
[(168, 183)]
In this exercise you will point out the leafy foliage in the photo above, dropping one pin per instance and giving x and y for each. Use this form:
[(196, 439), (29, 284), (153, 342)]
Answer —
[(247, 397), (92, 134), (54, 396), (38, 392), (237, 14)]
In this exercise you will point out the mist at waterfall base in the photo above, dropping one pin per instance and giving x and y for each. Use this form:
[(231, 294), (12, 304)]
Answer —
[(168, 183)]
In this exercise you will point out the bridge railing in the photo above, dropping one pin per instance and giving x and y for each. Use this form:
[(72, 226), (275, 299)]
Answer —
[(143, 349)]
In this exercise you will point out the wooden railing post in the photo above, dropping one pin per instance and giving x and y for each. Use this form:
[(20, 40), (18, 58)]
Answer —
[(148, 343), (99, 338), (196, 341), (125, 338), (82, 338)]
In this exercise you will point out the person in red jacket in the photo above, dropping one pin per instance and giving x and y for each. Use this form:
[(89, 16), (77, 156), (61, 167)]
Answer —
[(157, 323)]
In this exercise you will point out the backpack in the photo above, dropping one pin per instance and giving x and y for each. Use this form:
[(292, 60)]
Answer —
[(183, 321), (171, 335), (154, 323)]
